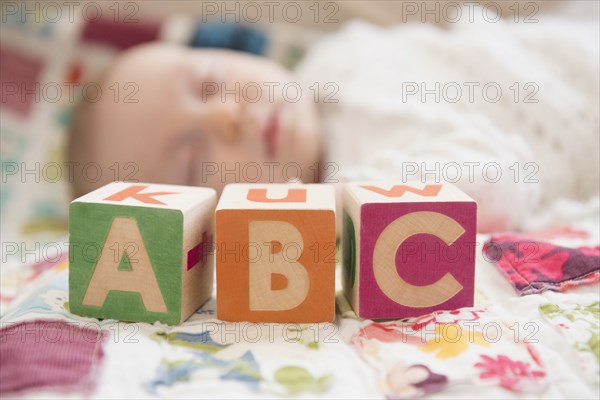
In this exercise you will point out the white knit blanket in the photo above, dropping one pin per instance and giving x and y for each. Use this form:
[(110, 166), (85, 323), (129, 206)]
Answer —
[(465, 104)]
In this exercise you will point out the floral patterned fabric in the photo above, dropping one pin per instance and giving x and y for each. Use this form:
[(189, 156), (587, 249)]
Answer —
[(507, 346), (581, 326), (471, 351), (424, 355), (533, 266)]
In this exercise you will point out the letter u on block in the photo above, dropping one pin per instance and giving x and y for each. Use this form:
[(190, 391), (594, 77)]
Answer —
[(275, 258), (292, 196)]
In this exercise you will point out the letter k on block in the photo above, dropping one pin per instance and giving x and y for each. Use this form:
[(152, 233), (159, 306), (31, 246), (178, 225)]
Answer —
[(134, 192)]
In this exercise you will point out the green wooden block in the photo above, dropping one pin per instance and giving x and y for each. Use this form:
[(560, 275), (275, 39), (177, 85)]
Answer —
[(141, 252)]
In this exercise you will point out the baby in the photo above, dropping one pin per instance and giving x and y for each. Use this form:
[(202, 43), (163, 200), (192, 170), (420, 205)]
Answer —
[(197, 118), (200, 121)]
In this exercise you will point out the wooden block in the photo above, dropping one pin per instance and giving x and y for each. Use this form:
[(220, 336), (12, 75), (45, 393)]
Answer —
[(140, 252), (276, 253), (408, 249)]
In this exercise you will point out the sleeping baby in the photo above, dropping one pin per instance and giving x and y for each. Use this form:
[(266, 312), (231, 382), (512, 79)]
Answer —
[(507, 112), (196, 119)]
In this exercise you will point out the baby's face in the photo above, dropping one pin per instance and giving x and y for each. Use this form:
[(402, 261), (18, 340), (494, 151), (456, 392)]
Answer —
[(197, 117)]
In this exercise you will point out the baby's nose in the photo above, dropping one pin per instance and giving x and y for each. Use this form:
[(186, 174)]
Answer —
[(225, 118)]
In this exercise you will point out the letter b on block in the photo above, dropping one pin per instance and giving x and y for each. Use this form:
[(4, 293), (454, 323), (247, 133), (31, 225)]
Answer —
[(408, 249), (269, 263), (141, 252), (276, 253)]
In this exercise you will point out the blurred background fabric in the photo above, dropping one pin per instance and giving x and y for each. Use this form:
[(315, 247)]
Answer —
[(47, 64)]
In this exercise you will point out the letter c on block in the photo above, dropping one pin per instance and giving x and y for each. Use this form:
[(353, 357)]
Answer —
[(384, 259)]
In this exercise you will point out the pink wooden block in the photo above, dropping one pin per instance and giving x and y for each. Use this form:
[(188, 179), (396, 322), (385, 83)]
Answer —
[(409, 249)]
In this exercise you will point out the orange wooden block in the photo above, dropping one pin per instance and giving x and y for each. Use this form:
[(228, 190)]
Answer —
[(276, 253)]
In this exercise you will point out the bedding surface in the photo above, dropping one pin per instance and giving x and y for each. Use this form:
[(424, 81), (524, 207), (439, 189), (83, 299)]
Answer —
[(542, 345)]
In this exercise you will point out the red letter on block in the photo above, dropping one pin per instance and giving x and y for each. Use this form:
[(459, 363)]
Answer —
[(134, 192), (399, 190), (293, 196)]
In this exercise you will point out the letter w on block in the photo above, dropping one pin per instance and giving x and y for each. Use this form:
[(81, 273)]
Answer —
[(125, 236), (399, 190), (134, 193), (268, 265)]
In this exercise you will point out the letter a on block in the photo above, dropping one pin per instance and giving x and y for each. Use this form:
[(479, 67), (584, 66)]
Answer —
[(124, 236), (293, 196), (384, 259), (399, 190), (267, 264)]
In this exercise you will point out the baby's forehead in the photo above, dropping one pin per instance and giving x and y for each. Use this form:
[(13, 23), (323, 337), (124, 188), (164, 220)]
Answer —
[(150, 61), (160, 60)]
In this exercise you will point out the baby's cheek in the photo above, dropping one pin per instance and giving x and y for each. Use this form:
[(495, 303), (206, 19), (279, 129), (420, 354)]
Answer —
[(178, 167)]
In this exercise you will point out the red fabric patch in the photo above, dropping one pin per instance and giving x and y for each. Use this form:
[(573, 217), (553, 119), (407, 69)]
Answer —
[(120, 35), (50, 355), (532, 266), (19, 78)]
